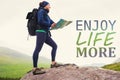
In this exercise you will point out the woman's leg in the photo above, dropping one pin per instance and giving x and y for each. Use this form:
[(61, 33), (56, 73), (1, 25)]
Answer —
[(51, 43), (41, 37)]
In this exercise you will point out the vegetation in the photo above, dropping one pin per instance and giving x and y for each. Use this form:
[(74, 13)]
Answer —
[(15, 71), (114, 66), (14, 65)]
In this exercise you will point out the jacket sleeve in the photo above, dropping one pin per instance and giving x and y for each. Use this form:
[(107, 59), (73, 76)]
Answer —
[(41, 19), (51, 21)]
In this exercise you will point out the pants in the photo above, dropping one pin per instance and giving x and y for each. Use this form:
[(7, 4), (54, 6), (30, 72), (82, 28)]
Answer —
[(42, 38)]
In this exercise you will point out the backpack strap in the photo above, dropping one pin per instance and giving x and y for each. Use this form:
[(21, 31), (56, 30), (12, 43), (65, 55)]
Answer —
[(49, 33)]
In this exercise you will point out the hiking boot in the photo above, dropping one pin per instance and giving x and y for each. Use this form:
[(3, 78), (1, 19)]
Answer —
[(38, 71), (56, 65)]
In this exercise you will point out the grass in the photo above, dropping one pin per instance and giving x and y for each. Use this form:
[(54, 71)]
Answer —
[(16, 71), (9, 79), (14, 65), (114, 66)]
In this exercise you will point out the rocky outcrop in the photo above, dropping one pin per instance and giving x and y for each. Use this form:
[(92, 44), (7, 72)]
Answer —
[(73, 72)]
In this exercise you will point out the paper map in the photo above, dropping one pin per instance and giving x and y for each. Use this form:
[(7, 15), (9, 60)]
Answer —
[(61, 23)]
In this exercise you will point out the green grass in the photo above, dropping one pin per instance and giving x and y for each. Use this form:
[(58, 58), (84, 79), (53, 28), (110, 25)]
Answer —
[(114, 66), (16, 71), (14, 65), (9, 79)]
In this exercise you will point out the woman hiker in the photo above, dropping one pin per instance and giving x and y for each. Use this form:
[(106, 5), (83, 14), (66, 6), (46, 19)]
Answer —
[(43, 36)]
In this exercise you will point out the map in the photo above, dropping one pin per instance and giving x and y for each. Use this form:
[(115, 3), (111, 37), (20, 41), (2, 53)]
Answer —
[(61, 23)]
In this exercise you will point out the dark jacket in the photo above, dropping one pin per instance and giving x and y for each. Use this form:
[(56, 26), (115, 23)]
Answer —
[(44, 20)]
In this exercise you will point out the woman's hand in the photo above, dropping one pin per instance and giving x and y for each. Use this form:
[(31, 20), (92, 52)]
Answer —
[(53, 25)]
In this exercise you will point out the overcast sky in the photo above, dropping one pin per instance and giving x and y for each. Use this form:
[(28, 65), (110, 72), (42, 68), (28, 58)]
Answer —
[(13, 31)]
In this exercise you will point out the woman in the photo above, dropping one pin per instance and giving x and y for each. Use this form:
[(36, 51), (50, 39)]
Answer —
[(43, 36)]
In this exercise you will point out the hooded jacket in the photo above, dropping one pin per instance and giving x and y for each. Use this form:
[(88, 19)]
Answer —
[(44, 20)]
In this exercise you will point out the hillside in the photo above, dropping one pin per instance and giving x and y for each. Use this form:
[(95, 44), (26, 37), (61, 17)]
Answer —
[(12, 56), (12, 62), (114, 66)]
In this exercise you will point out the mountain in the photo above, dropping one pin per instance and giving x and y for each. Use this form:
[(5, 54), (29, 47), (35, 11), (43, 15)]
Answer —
[(12, 56)]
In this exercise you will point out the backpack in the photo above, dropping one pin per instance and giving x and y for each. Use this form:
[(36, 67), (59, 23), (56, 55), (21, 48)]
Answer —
[(32, 22)]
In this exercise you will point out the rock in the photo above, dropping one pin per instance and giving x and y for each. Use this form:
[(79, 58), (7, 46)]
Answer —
[(73, 72)]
